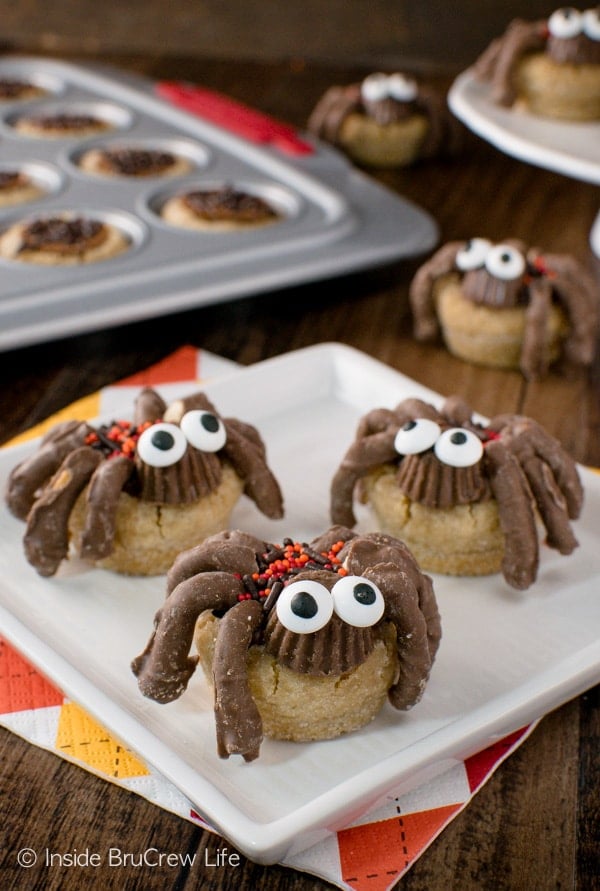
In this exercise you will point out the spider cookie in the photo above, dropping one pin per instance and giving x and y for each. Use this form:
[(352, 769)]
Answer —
[(132, 161), (386, 121), (507, 306), (218, 210), (549, 68), (62, 240), (311, 640), (129, 496), (464, 496)]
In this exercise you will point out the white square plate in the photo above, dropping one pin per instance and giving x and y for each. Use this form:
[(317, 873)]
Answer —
[(506, 657)]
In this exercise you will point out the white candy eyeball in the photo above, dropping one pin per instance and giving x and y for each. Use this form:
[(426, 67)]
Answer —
[(505, 262), (473, 255), (161, 445), (358, 601), (416, 436), (304, 607), (402, 88), (591, 23), (204, 430), (374, 88), (565, 23), (458, 447)]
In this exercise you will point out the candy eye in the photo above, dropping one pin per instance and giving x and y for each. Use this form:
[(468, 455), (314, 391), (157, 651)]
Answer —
[(565, 23), (505, 262), (416, 436), (358, 601), (161, 445), (591, 23), (473, 255), (204, 430), (458, 447), (374, 88), (401, 88), (304, 606)]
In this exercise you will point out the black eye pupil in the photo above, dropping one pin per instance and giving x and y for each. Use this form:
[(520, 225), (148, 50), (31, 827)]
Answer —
[(163, 440), (364, 594), (304, 605), (210, 423), (505, 258), (410, 425), (458, 438)]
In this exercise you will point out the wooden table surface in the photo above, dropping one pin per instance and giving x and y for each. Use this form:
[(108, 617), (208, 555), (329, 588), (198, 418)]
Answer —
[(536, 824)]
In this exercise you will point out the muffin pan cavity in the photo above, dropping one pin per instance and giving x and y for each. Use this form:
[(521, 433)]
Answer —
[(329, 218), (67, 120), (284, 205), (23, 183)]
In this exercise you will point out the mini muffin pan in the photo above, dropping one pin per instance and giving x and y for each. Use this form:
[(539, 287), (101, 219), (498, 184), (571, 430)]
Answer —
[(333, 218)]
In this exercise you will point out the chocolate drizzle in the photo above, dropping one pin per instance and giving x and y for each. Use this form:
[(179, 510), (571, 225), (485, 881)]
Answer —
[(136, 162), (63, 236), (12, 179), (228, 204)]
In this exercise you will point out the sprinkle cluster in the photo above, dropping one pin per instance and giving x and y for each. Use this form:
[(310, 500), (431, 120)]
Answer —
[(281, 563), (118, 438)]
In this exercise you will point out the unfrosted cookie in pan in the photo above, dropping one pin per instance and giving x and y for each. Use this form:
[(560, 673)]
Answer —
[(60, 125), (15, 88), (548, 68), (225, 209), (62, 240), (133, 161), (17, 187)]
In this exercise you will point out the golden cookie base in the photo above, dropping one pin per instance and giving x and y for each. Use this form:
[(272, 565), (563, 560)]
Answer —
[(302, 708), (462, 540), (148, 537)]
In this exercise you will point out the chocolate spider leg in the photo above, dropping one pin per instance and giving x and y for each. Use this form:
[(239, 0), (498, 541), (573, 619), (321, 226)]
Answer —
[(554, 482), (149, 406), (46, 539), (412, 634), (248, 461), (362, 456), (102, 499), (426, 325), (520, 38), (517, 520), (238, 721), (323, 543), (31, 474), (332, 109), (217, 553), (164, 667), (535, 358), (579, 293)]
